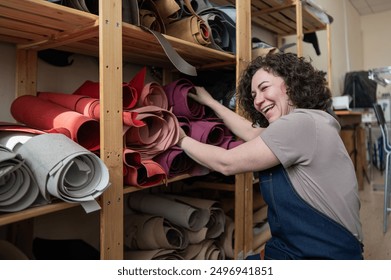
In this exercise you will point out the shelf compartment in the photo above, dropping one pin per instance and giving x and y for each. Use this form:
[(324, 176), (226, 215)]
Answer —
[(38, 25)]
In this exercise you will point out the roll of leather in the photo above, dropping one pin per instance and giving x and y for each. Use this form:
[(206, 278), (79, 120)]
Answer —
[(153, 94), (182, 105), (192, 29), (208, 132), (174, 211), (208, 249), (18, 188), (84, 105), (46, 115), (175, 162), (91, 89), (65, 170), (141, 172), (211, 208), (149, 232), (160, 132)]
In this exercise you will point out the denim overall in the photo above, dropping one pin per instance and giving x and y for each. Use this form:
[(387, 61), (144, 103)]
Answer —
[(299, 231)]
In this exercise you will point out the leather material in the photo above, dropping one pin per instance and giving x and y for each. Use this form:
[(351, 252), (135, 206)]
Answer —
[(46, 115), (207, 131), (222, 23), (176, 212), (153, 94), (149, 232), (86, 106), (208, 249), (160, 133), (192, 29), (141, 172), (18, 188), (181, 104), (175, 162), (91, 89), (65, 170)]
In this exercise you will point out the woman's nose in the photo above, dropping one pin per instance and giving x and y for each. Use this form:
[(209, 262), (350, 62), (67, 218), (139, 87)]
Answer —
[(258, 99)]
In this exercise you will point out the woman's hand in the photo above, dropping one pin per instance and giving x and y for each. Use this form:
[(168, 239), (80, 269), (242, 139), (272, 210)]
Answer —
[(202, 96)]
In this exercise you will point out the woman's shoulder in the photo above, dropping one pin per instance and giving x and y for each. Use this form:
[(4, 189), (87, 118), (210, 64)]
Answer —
[(313, 116)]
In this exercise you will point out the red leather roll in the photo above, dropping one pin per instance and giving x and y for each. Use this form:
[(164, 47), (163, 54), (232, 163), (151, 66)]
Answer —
[(85, 105), (141, 172), (91, 89), (46, 115)]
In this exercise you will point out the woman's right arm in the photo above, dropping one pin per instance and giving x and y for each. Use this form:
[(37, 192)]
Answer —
[(238, 125)]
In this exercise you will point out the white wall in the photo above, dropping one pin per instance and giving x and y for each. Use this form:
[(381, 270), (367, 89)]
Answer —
[(346, 46), (377, 43)]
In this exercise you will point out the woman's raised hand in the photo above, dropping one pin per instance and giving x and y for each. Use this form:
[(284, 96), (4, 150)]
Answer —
[(202, 96)]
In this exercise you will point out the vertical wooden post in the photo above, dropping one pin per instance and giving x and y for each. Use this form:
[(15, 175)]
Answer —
[(329, 66), (26, 72), (299, 27), (111, 138), (243, 182)]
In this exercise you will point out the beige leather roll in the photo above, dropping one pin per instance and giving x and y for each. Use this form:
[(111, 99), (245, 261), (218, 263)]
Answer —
[(192, 29)]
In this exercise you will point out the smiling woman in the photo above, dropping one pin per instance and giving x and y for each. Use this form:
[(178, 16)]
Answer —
[(292, 140)]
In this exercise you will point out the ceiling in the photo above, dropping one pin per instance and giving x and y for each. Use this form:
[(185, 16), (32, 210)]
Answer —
[(368, 7)]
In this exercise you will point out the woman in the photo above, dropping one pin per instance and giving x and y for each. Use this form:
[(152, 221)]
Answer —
[(306, 175)]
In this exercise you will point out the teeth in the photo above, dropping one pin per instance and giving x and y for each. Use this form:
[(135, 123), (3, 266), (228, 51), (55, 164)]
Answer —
[(267, 108)]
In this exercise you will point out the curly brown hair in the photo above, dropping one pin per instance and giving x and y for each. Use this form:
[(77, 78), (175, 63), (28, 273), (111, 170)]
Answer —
[(306, 87)]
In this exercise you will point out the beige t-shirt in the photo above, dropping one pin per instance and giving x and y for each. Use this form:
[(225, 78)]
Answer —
[(308, 145)]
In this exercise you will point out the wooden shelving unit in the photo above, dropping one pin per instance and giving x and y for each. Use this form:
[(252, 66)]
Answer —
[(34, 25)]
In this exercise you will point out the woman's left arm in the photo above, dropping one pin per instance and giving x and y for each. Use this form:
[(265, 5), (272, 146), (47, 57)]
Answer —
[(250, 156)]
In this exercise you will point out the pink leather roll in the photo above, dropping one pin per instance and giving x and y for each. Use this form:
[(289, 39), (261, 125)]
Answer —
[(46, 115), (91, 89), (160, 133), (153, 94), (181, 104)]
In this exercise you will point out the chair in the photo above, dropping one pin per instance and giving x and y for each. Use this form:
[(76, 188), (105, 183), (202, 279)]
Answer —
[(387, 152)]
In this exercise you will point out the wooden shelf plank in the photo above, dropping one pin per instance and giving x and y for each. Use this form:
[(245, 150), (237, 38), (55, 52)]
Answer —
[(32, 212)]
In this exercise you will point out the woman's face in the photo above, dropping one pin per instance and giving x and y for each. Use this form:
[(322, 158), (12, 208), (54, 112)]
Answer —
[(269, 93)]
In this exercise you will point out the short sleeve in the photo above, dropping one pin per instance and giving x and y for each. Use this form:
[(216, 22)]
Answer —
[(292, 138)]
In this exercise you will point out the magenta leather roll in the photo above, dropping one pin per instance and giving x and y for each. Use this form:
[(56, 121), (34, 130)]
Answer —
[(181, 104), (91, 89), (46, 115), (175, 162), (184, 123), (207, 131)]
